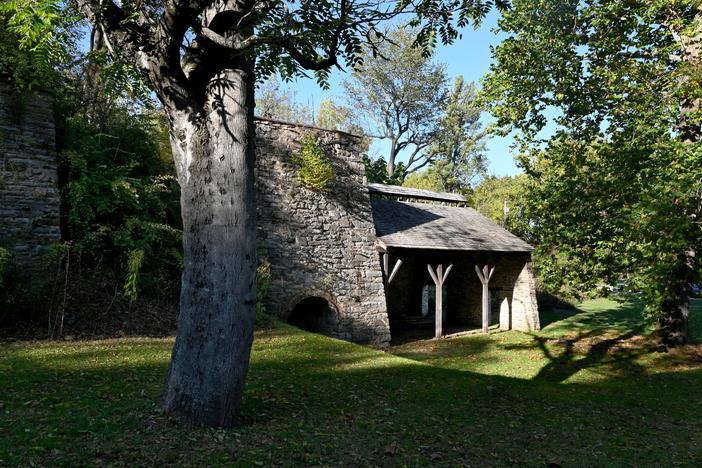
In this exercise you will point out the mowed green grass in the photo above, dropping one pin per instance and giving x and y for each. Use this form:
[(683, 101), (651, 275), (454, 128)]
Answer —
[(586, 391)]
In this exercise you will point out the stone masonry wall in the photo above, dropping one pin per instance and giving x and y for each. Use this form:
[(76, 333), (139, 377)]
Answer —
[(513, 282), (319, 244), (29, 196), (525, 312)]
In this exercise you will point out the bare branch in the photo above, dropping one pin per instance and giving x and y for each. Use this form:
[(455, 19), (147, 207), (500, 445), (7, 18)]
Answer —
[(231, 43)]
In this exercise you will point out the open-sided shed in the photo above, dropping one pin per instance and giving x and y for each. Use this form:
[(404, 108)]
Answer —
[(438, 254)]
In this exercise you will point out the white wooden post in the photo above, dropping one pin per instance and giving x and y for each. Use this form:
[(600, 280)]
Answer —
[(389, 275), (439, 278), (485, 276)]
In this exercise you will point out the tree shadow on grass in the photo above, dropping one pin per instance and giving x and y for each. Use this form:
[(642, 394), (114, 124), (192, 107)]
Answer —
[(316, 401), (588, 351)]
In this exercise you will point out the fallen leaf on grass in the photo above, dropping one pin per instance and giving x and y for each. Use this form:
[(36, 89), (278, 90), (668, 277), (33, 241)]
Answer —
[(392, 449)]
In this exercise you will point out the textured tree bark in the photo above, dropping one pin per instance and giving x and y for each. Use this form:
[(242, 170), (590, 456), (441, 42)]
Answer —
[(673, 324), (391, 158), (214, 154)]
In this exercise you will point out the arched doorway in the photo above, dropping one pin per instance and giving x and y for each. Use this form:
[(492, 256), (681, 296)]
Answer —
[(314, 314)]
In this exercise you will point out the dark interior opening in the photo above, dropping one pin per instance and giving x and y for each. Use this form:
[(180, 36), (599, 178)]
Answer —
[(314, 314)]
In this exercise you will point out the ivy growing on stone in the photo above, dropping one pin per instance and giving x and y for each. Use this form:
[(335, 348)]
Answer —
[(314, 170)]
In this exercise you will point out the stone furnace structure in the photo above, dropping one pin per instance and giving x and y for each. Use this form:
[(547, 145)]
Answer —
[(325, 273), (360, 262)]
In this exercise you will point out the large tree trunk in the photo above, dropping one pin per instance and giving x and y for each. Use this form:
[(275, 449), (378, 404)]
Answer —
[(672, 327), (673, 324), (215, 158), (391, 159)]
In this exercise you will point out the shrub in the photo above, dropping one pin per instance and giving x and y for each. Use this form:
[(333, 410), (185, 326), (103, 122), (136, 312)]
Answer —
[(123, 200), (314, 170)]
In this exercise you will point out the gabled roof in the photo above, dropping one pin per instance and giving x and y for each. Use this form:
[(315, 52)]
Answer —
[(406, 192), (436, 227)]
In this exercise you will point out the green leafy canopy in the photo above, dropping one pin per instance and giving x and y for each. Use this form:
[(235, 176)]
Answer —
[(604, 97)]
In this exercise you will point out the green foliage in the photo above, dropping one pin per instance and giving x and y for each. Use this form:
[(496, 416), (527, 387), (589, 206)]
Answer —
[(314, 170), (118, 79), (273, 101), (508, 201), (135, 260), (37, 40), (615, 184), (401, 94), (428, 179), (456, 150), (122, 198), (398, 93), (377, 171), (312, 26)]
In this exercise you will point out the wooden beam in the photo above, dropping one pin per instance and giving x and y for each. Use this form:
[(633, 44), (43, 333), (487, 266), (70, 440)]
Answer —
[(448, 270), (387, 274), (485, 276), (397, 266), (433, 276), (439, 277)]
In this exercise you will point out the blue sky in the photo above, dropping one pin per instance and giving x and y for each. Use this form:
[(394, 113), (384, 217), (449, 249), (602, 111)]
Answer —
[(469, 57)]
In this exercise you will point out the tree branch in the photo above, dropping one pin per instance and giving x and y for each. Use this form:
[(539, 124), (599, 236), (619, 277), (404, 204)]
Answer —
[(237, 45), (118, 32), (317, 62)]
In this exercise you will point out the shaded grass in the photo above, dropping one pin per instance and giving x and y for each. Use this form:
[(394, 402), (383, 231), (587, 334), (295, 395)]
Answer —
[(317, 401)]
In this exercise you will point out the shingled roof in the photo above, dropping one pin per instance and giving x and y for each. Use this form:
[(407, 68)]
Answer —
[(436, 227), (408, 192)]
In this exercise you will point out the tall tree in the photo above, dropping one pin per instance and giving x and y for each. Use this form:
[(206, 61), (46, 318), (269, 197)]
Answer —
[(456, 151), (398, 94), (427, 179), (506, 201), (617, 184), (201, 58), (335, 116)]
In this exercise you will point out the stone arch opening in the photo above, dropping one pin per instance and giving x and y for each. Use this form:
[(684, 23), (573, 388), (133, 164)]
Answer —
[(314, 314)]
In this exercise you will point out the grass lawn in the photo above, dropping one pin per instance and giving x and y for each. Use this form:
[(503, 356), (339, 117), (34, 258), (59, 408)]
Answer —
[(586, 391)]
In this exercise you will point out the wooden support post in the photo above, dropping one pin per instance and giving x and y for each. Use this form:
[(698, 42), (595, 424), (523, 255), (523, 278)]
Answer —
[(485, 276), (439, 277), (397, 266), (387, 274)]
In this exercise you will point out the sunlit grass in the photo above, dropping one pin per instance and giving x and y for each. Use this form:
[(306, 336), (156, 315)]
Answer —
[(480, 400)]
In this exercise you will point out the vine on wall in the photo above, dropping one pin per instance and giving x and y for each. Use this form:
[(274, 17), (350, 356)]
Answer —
[(314, 170)]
